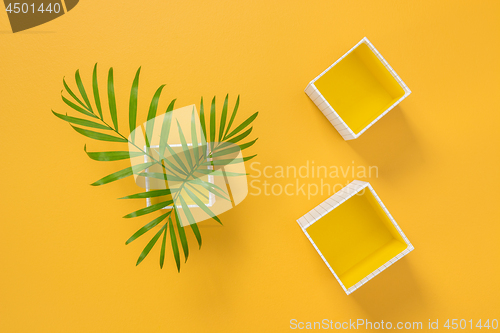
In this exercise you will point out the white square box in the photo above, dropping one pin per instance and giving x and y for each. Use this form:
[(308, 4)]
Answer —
[(355, 235), (357, 90)]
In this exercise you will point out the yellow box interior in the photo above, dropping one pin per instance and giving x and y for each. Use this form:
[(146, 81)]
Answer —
[(356, 238), (359, 88)]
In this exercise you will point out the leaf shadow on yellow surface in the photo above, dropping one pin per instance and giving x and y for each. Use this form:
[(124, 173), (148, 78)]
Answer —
[(395, 293), (392, 145)]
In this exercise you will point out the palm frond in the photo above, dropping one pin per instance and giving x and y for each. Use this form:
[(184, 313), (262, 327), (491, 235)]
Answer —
[(182, 234), (233, 115), (112, 99), (194, 138), (202, 119), (162, 250), (233, 148), (185, 149), (95, 89), (241, 126), (150, 209), (152, 114), (81, 122), (147, 227), (241, 136), (223, 119), (175, 247), (76, 107), (151, 194), (72, 94), (132, 112), (111, 155), (212, 123), (99, 136), (122, 174), (81, 88), (200, 204), (150, 245), (219, 139)]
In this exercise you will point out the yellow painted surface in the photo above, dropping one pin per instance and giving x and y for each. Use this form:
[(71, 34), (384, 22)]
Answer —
[(356, 238), (359, 88), (64, 265)]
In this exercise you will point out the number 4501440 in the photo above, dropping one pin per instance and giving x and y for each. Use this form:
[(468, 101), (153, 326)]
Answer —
[(31, 8), (464, 324)]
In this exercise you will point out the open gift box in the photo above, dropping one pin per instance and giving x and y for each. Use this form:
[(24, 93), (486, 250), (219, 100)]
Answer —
[(357, 90), (355, 235)]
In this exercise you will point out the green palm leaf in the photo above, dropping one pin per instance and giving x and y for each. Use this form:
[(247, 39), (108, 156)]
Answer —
[(95, 88), (191, 221), (98, 136), (76, 107), (175, 247), (198, 191), (233, 149), (205, 183), (122, 174), (197, 234), (185, 148), (151, 194), (223, 118), (182, 234), (194, 139), (159, 175), (150, 245), (165, 128), (82, 122), (230, 161), (208, 187), (147, 227), (162, 250), (106, 156), (178, 168), (220, 173), (152, 114), (233, 115), (241, 136), (200, 204), (212, 123), (202, 119), (70, 92), (150, 209), (132, 115), (111, 98), (242, 126), (81, 88), (248, 144), (177, 159)]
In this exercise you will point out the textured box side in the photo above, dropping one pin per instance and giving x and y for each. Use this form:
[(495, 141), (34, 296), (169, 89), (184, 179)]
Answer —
[(329, 112)]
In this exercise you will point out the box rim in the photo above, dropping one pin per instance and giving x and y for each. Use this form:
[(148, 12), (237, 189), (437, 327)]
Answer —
[(355, 186), (386, 65)]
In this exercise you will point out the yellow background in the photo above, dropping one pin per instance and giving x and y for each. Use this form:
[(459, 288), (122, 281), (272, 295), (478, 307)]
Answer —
[(64, 266)]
